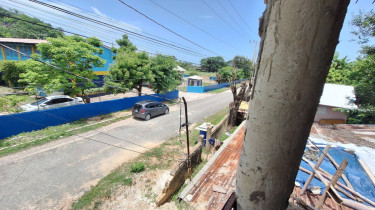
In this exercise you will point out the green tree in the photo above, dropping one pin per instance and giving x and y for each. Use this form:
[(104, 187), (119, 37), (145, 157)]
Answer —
[(186, 65), (14, 28), (212, 64), (339, 71), (166, 78), (224, 74), (130, 70), (363, 78), (11, 71), (71, 53), (227, 74), (243, 63), (10, 103), (124, 44)]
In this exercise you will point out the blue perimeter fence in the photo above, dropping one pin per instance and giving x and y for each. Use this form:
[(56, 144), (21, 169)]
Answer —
[(203, 89), (29, 121)]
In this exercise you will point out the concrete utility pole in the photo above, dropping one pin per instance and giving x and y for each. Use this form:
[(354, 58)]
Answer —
[(299, 38)]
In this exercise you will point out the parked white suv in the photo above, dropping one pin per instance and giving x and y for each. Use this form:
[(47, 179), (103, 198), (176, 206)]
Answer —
[(51, 102)]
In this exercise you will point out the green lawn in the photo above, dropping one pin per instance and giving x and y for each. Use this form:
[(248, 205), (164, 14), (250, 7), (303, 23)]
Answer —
[(26, 140), (219, 90)]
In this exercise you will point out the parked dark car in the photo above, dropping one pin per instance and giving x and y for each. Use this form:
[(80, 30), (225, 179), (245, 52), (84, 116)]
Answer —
[(147, 109)]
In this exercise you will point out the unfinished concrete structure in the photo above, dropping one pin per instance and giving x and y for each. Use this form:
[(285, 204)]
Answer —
[(299, 38)]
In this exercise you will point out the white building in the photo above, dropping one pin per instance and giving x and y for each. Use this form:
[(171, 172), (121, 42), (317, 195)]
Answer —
[(335, 96)]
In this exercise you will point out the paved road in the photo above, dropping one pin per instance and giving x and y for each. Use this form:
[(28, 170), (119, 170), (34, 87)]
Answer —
[(54, 174)]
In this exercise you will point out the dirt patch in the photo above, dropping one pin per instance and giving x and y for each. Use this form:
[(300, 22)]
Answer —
[(141, 193)]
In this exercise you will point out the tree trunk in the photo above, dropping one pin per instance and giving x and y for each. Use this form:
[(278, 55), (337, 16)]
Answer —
[(237, 99), (139, 89), (298, 42)]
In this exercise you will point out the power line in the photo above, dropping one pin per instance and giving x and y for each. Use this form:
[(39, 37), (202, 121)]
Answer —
[(186, 21), (117, 22), (110, 25), (166, 27), (98, 29), (228, 13), (59, 29), (240, 16), (226, 22)]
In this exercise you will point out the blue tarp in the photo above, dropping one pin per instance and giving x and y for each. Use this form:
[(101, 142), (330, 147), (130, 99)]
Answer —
[(356, 175)]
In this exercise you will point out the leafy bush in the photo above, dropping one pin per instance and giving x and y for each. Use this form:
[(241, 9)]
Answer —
[(93, 91), (360, 116), (137, 167)]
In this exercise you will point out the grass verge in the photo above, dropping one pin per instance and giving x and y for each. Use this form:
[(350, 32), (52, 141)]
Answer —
[(224, 136), (161, 157), (26, 140), (219, 90)]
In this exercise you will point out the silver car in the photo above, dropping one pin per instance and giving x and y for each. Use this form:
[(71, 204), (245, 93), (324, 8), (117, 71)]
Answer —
[(51, 102), (147, 109)]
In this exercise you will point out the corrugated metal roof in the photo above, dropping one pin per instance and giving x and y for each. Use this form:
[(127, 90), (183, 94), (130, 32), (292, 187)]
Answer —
[(24, 41), (179, 68), (195, 77), (341, 96), (215, 187)]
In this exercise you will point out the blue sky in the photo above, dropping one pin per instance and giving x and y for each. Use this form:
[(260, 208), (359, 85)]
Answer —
[(226, 40)]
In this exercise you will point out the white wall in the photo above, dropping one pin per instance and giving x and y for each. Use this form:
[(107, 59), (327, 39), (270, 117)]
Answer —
[(327, 113)]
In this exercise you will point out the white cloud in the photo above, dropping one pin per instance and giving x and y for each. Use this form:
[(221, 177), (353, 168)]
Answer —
[(96, 11)]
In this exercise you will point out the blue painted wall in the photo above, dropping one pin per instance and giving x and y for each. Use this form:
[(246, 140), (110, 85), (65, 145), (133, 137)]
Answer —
[(107, 55), (28, 121), (195, 89), (202, 89), (214, 87), (27, 49)]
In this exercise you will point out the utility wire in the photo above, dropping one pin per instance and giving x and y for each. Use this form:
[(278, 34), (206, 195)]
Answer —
[(226, 22), (117, 22), (241, 17), (62, 30), (198, 28), (166, 27), (110, 25), (234, 20)]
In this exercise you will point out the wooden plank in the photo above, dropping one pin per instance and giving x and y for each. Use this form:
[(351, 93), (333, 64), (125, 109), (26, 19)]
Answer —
[(335, 194), (336, 187), (353, 192), (343, 176), (333, 182), (321, 158), (367, 170), (219, 189)]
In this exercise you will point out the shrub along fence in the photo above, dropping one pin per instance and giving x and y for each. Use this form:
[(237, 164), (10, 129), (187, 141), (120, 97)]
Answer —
[(29, 121)]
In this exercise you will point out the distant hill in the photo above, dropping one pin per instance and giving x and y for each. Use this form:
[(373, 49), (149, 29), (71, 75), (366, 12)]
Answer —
[(10, 27)]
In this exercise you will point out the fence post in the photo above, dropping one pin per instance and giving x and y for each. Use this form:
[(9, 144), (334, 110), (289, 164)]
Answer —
[(208, 136)]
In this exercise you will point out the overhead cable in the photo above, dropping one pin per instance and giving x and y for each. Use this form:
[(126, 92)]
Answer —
[(198, 28), (226, 22), (109, 25), (166, 27)]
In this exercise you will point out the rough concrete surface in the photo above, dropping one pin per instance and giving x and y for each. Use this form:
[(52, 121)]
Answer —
[(54, 174)]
